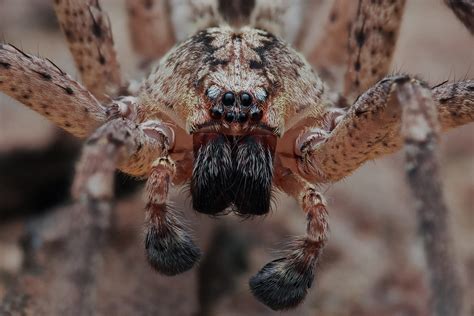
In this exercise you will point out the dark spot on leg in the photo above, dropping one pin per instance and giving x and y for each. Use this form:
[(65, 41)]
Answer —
[(43, 75), (102, 59), (357, 65), (360, 38), (69, 90), (5, 65)]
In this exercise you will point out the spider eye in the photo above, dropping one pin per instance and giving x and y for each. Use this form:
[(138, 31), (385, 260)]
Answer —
[(217, 112), (246, 99), (261, 94), (228, 99), (213, 92), (256, 114)]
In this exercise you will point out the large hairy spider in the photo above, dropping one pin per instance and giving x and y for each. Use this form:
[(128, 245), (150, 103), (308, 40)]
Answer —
[(235, 112)]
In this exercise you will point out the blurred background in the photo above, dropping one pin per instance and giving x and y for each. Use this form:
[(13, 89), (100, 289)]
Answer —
[(373, 263)]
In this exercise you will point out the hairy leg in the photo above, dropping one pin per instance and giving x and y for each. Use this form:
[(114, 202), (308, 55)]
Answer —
[(371, 127), (420, 129), (372, 41), (88, 32), (46, 89), (169, 248), (112, 144), (151, 30), (284, 282)]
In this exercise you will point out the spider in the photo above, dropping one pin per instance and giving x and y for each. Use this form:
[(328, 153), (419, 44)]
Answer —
[(233, 111)]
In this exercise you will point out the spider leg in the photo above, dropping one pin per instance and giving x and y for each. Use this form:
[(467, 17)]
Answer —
[(420, 129), (151, 30), (89, 35), (46, 89), (464, 10), (109, 146), (284, 282), (329, 54), (170, 250), (372, 41), (371, 128)]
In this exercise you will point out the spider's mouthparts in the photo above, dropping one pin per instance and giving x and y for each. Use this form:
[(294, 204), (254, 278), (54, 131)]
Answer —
[(232, 171)]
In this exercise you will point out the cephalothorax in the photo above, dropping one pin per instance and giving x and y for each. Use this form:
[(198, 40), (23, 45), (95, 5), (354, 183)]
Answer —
[(235, 112)]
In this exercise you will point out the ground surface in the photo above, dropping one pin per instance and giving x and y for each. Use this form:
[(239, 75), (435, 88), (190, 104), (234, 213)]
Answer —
[(373, 264)]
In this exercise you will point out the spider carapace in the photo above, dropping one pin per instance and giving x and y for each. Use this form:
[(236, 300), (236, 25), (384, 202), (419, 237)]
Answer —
[(225, 88)]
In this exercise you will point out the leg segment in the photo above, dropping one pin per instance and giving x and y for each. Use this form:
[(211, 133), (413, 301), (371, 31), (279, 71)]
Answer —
[(420, 129), (118, 143), (283, 283), (113, 143), (169, 248), (88, 32), (330, 54), (372, 42), (371, 127), (42, 86), (151, 30)]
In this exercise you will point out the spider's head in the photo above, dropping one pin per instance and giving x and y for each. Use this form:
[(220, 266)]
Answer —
[(236, 91), (234, 152)]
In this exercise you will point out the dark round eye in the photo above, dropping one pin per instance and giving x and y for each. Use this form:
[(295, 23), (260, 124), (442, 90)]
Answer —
[(217, 112), (242, 117), (256, 114), (246, 99), (230, 117), (228, 99)]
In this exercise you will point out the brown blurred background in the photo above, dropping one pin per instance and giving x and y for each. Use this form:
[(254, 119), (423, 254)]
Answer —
[(373, 264)]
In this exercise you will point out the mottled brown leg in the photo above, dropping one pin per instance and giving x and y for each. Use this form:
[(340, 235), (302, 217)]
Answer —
[(88, 32), (113, 143), (310, 7), (269, 15), (371, 127), (46, 89), (372, 43), (420, 130), (283, 283), (170, 250), (329, 54), (464, 10), (151, 30)]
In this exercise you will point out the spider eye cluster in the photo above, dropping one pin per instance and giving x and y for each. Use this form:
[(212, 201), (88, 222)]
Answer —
[(236, 107)]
